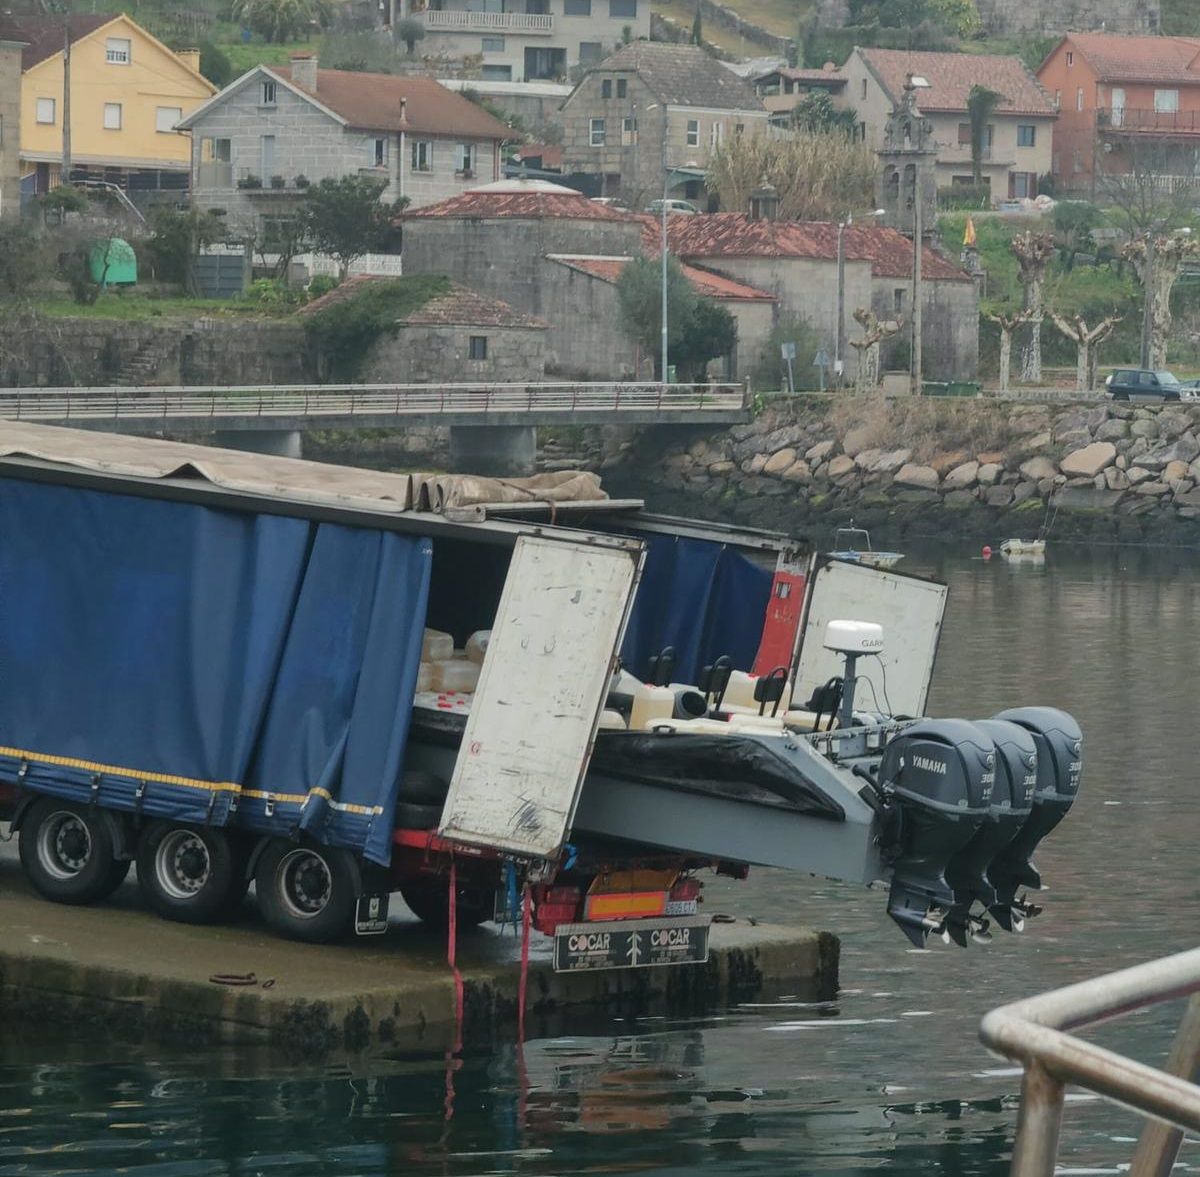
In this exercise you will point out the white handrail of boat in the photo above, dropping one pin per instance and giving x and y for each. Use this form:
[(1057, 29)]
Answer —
[(1034, 1033)]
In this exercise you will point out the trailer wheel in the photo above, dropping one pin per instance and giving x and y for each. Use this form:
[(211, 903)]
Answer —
[(307, 892), (429, 900), (68, 853), (188, 873)]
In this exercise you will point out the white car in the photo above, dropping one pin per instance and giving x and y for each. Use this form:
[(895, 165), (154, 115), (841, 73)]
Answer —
[(673, 206)]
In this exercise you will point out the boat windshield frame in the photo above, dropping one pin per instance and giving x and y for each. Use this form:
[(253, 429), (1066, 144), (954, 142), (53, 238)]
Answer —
[(851, 531)]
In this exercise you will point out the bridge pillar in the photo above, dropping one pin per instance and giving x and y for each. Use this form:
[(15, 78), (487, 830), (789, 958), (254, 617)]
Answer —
[(494, 450), (282, 443)]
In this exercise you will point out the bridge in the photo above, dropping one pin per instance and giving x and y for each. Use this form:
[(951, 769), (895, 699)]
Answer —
[(492, 426)]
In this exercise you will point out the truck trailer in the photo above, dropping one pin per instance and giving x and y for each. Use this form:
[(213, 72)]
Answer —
[(491, 697)]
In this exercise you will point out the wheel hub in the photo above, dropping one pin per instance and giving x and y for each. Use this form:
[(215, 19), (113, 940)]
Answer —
[(304, 883), (72, 845), (182, 865)]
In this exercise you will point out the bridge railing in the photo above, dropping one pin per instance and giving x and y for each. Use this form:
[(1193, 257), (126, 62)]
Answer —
[(349, 400)]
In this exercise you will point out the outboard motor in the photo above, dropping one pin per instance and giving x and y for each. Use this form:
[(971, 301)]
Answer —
[(1012, 800), (939, 775), (1059, 744)]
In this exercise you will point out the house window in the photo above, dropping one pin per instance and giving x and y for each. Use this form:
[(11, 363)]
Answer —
[(693, 132), (464, 160), (267, 97), (714, 134), (622, 9), (216, 150), (45, 110), (964, 133), (266, 155), (478, 347), (1026, 135), (1166, 101), (606, 88), (864, 88), (622, 88), (590, 51), (493, 45), (165, 118), (1022, 185), (739, 129), (597, 133), (628, 132), (577, 7), (1070, 58), (112, 116), (1078, 161), (422, 155), (898, 299), (117, 50), (379, 151), (496, 73), (1058, 100), (1079, 98)]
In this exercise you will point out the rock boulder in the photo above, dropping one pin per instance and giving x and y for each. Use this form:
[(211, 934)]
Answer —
[(1090, 460)]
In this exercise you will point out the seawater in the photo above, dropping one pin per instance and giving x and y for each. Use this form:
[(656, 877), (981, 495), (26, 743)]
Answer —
[(888, 1077)]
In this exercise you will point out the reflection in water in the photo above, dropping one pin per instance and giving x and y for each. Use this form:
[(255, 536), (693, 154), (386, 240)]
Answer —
[(890, 1078)]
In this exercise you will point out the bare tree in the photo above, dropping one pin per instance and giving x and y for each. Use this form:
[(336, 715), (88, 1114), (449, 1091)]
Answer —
[(1033, 252), (1157, 260), (1085, 340), (1008, 324), (1140, 183), (875, 331)]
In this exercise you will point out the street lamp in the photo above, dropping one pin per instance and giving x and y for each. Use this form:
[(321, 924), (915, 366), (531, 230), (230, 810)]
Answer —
[(839, 346)]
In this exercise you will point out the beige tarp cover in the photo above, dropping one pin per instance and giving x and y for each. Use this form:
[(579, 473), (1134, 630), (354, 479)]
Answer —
[(292, 479)]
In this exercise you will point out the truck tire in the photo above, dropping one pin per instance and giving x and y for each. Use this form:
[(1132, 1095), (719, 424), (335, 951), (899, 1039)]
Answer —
[(429, 900), (419, 787), (68, 852), (188, 873), (307, 892)]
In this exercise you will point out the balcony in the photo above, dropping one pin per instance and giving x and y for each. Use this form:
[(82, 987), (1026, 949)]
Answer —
[(216, 174), (534, 24), (1125, 120)]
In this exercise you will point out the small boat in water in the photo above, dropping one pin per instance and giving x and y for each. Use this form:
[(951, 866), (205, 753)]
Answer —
[(1023, 547), (853, 544)]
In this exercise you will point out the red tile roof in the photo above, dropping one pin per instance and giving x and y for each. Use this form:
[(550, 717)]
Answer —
[(951, 76), (372, 102), (715, 235), (550, 154), (711, 285), (1140, 59), (831, 78), (511, 201), (43, 35), (457, 307)]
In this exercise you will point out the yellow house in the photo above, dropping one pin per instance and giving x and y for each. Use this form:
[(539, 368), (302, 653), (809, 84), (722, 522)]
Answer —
[(128, 90)]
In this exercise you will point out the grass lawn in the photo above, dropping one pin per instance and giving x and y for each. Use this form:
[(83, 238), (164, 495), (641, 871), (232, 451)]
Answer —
[(140, 308), (781, 17)]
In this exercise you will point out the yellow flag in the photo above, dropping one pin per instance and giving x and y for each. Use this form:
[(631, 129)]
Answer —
[(969, 233)]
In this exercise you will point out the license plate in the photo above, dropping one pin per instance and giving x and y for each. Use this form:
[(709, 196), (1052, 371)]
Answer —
[(630, 944), (371, 915)]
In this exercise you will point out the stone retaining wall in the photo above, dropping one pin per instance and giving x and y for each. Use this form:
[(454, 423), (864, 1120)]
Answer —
[(1105, 472)]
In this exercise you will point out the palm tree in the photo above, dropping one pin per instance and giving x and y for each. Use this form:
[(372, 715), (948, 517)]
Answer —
[(280, 20), (981, 102)]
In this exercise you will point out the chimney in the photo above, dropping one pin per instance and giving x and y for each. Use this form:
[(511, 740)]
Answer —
[(304, 71), (190, 58), (764, 203), (404, 114)]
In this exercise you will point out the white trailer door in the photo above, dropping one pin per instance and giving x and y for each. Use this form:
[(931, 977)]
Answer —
[(542, 687), (910, 610)]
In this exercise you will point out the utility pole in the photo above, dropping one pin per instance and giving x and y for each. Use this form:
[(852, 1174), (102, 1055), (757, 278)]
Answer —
[(65, 178), (839, 345), (666, 187), (918, 239)]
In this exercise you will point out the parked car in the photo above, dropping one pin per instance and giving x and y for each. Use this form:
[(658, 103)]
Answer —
[(1189, 390), (673, 206), (1130, 383)]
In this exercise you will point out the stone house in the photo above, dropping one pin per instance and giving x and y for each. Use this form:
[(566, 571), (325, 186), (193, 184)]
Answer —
[(1124, 103), (10, 129), (797, 262), (1017, 146), (457, 337), (556, 254), (258, 143), (649, 115), (532, 40), (783, 88)]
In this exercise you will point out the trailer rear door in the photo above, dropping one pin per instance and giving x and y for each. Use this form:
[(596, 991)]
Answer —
[(910, 610), (545, 677)]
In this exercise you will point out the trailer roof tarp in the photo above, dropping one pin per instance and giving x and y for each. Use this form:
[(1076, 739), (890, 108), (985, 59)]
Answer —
[(291, 479), (207, 665)]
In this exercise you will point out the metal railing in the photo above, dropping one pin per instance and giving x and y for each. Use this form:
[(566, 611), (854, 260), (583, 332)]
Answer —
[(1129, 118), (350, 400), (1034, 1033), (457, 21)]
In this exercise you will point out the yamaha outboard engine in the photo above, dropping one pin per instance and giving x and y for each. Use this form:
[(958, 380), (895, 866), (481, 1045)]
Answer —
[(1059, 744), (939, 775), (1012, 800)]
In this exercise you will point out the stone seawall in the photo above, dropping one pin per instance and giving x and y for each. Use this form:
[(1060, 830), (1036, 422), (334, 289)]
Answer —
[(1103, 472)]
